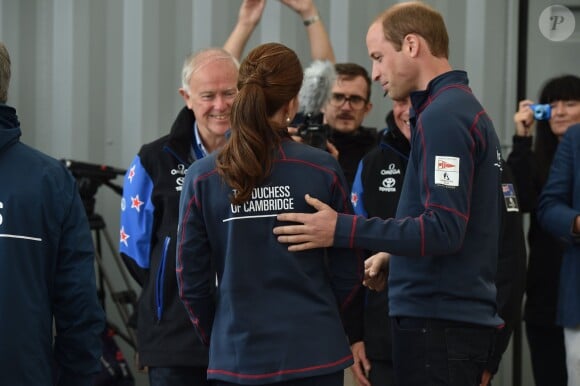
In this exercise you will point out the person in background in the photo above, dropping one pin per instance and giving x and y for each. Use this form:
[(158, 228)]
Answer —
[(251, 12), (51, 318), (375, 193), (443, 243), (344, 113), (511, 269), (167, 344), (559, 214), (530, 166), (275, 316), (350, 101)]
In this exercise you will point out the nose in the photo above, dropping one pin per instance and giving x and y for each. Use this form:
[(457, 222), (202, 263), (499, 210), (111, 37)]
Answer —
[(558, 108), (221, 102), (346, 104), (375, 73)]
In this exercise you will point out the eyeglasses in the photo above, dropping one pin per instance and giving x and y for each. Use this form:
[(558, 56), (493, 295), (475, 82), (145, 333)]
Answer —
[(356, 102)]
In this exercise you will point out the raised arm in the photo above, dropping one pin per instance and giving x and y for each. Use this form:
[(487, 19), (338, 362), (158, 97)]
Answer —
[(320, 46), (248, 18)]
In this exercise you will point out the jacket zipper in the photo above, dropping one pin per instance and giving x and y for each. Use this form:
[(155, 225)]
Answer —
[(160, 280)]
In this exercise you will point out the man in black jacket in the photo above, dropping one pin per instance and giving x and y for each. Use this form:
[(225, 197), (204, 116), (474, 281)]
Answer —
[(348, 106), (167, 343)]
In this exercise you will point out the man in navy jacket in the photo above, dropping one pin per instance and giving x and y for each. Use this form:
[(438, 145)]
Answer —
[(444, 238), (46, 266)]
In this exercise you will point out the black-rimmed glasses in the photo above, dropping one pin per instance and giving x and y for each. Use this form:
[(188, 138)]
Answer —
[(356, 102)]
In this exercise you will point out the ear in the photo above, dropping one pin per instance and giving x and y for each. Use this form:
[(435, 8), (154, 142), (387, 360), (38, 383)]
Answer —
[(411, 45), (293, 107), (368, 108), (186, 97)]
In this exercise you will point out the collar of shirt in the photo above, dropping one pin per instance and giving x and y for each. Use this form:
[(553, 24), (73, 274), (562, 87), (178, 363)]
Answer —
[(197, 148)]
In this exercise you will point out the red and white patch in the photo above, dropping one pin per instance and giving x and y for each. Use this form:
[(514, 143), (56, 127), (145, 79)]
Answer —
[(447, 171)]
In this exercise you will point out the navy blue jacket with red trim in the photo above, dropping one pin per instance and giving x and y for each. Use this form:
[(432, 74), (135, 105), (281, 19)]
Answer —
[(275, 315), (444, 239)]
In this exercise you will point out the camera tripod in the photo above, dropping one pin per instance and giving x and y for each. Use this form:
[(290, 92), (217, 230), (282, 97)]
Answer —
[(124, 300)]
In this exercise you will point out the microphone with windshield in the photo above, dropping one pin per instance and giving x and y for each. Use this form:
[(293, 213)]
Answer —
[(315, 92)]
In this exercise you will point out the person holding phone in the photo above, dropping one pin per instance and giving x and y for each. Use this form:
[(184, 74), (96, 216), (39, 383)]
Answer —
[(530, 162)]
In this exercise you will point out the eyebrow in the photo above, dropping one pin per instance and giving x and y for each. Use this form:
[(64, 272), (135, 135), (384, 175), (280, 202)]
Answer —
[(348, 95)]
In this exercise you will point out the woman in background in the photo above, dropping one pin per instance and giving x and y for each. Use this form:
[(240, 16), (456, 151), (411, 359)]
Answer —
[(530, 169)]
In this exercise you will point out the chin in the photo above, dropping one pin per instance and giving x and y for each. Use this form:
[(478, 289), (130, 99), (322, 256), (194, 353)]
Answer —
[(345, 129), (220, 129)]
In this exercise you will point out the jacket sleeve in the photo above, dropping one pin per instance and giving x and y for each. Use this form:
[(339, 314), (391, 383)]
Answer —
[(357, 192), (510, 276), (193, 261), (555, 211), (524, 166), (346, 266), (137, 215), (439, 223), (79, 319)]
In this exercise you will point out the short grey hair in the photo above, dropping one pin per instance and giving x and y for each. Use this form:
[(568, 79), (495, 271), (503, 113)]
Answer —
[(196, 60)]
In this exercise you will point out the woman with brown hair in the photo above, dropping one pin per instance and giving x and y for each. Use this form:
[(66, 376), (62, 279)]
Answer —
[(275, 316)]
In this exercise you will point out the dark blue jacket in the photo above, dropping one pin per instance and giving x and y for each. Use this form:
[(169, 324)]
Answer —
[(558, 207), (46, 270), (275, 314), (445, 237)]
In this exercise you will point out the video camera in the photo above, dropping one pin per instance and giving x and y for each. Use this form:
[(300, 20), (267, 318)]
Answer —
[(541, 112), (90, 177), (313, 131)]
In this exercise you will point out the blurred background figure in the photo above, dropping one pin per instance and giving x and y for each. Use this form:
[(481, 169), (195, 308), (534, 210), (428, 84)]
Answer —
[(559, 214), (375, 193), (166, 342), (530, 161)]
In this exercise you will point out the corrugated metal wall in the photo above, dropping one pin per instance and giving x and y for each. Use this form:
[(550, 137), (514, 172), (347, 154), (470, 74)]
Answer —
[(93, 80)]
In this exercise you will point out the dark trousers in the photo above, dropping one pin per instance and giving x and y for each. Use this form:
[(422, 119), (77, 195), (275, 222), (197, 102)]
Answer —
[(381, 373), (178, 376), (334, 379), (548, 354), (432, 352)]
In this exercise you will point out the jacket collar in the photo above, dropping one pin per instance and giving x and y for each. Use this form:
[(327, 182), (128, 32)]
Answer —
[(181, 135), (421, 99), (9, 127)]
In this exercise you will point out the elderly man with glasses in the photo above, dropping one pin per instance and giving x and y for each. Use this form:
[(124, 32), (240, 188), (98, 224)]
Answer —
[(345, 112)]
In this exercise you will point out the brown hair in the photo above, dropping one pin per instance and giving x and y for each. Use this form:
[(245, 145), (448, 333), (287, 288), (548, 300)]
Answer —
[(4, 73), (416, 18), (350, 71), (269, 78)]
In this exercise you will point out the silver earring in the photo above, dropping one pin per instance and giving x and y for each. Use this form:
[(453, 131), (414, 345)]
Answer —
[(288, 120)]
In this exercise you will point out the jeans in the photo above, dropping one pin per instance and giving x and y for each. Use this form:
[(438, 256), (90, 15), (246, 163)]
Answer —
[(439, 352), (381, 373), (178, 376)]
